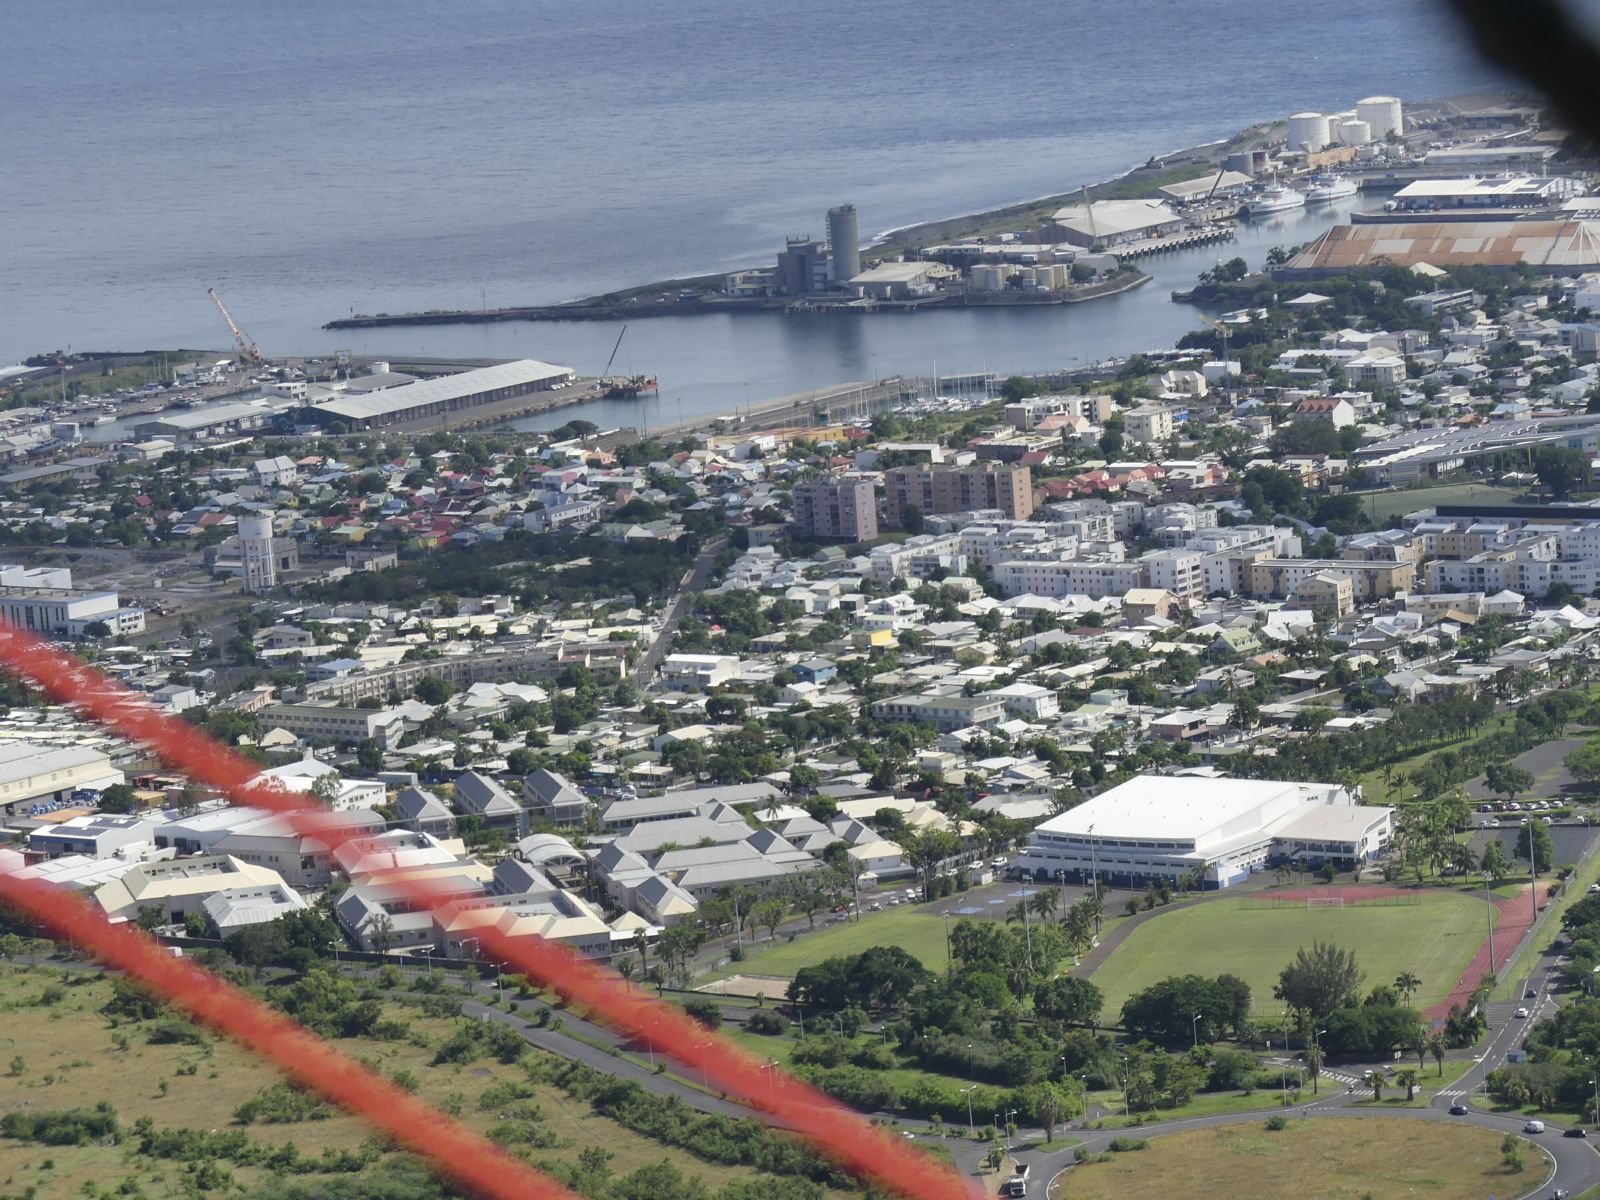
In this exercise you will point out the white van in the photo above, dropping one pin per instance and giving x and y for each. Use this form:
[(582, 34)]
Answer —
[(1533, 1127)]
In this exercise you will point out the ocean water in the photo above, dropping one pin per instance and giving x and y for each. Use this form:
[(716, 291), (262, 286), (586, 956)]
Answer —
[(309, 160)]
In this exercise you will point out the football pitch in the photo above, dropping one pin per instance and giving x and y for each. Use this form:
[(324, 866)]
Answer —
[(1435, 938)]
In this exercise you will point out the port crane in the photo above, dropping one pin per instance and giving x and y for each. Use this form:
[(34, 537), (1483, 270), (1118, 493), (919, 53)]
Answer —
[(247, 348), (630, 387)]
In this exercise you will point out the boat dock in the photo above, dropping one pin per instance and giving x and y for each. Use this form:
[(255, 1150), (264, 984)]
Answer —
[(1175, 241)]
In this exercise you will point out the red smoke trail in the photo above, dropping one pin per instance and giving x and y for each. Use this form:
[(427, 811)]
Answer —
[(470, 1160), (837, 1131)]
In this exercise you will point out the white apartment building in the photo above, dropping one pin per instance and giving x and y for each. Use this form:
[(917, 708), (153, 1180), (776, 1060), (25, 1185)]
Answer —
[(1386, 370), (1181, 572), (1148, 425), (698, 670), (1074, 577), (337, 723), (1028, 700), (917, 558)]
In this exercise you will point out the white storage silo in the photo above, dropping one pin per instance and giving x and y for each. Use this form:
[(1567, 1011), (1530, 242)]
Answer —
[(1308, 131), (1382, 114), (989, 277), (1354, 133)]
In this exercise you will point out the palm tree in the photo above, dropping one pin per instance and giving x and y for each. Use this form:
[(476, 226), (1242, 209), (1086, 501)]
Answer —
[(1436, 1047), (1406, 983), (1314, 1065), (1044, 903), (1094, 908), (625, 968), (1406, 1079)]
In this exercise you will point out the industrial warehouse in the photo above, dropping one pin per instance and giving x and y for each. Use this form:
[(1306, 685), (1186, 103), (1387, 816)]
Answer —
[(429, 398), (1559, 247)]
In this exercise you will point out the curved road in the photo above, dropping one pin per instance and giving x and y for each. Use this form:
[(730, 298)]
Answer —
[(1576, 1163)]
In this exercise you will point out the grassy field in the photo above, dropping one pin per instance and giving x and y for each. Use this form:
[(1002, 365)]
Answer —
[(71, 1057), (1383, 505), (1333, 1160), (1435, 938), (918, 929)]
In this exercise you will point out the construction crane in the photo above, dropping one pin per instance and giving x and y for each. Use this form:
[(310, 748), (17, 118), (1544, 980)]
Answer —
[(247, 348)]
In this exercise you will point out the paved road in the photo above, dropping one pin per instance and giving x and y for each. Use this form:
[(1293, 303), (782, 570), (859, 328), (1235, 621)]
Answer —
[(693, 581), (1576, 1163)]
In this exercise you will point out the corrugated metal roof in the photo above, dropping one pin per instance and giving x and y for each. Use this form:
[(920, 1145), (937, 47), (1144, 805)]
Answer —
[(444, 388), (1560, 244)]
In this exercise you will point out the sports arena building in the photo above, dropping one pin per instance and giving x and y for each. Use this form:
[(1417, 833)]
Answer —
[(1159, 827)]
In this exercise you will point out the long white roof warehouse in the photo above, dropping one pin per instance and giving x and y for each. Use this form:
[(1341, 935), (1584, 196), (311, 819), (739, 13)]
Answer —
[(446, 394)]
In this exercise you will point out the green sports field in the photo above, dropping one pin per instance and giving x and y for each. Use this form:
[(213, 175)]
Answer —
[(1434, 938)]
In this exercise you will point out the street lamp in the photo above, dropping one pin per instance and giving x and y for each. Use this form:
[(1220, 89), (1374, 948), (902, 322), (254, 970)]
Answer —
[(1595, 1084), (947, 966), (1316, 1076), (1194, 1028), (972, 1129), (1488, 913), (1009, 1114)]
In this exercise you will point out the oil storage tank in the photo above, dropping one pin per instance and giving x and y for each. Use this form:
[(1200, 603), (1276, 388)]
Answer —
[(1308, 131), (1382, 114)]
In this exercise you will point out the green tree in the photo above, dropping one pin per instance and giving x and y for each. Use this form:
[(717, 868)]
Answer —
[(1584, 763), (1319, 980), (1406, 983), (1535, 837), (1068, 999), (1494, 863), (1506, 780), (431, 689), (1561, 469), (369, 755), (119, 798)]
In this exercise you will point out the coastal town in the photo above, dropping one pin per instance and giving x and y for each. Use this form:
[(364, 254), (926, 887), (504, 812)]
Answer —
[(1021, 759)]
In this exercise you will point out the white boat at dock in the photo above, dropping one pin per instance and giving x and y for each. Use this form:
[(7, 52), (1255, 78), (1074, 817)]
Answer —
[(1322, 188), (1275, 198)]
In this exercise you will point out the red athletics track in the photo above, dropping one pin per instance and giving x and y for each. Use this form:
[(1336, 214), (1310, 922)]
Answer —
[(1512, 918)]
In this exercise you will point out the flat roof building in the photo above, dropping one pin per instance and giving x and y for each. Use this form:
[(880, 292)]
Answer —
[(447, 394), (32, 774), (1157, 827)]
